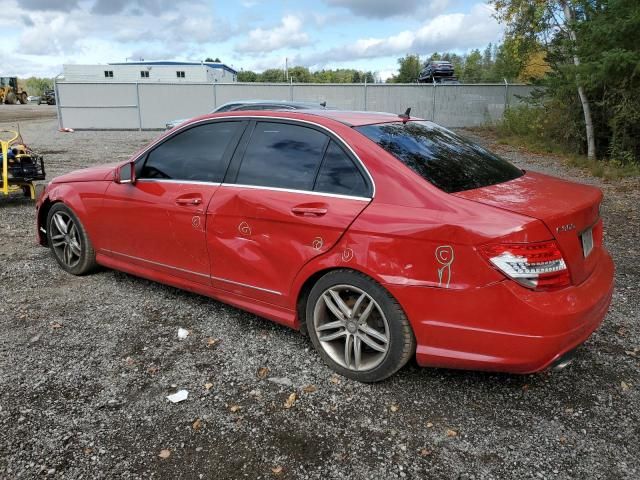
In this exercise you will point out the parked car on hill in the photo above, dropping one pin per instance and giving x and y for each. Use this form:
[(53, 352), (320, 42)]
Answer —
[(435, 69), (381, 236)]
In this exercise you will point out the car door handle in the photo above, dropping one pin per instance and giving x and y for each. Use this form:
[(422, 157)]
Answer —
[(188, 201), (309, 211)]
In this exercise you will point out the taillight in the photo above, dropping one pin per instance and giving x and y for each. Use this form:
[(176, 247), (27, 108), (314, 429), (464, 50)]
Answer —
[(539, 266)]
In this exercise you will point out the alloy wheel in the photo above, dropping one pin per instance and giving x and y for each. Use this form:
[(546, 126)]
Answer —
[(351, 327), (65, 239)]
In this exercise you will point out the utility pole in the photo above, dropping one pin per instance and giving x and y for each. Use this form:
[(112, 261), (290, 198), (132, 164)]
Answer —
[(286, 68)]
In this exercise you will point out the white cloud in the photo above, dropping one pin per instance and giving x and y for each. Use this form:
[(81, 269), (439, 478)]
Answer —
[(289, 34), (445, 32), (387, 8)]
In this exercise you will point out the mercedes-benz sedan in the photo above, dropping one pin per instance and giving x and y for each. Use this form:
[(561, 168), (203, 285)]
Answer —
[(381, 236)]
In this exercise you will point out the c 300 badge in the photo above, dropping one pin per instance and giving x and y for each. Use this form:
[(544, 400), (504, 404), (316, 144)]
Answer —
[(567, 227)]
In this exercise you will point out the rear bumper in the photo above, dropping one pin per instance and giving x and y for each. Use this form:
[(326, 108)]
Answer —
[(503, 326)]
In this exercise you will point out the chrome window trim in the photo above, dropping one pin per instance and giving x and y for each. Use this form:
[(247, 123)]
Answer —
[(255, 187), (290, 190), (170, 180), (258, 118), (274, 292)]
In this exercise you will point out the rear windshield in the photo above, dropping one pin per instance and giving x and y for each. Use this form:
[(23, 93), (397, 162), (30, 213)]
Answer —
[(441, 157)]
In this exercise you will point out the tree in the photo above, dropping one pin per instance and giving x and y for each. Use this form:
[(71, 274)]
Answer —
[(248, 76), (409, 70), (551, 24), (37, 86), (209, 59)]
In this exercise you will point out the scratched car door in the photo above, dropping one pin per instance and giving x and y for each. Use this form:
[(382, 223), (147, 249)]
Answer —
[(159, 221), (290, 194)]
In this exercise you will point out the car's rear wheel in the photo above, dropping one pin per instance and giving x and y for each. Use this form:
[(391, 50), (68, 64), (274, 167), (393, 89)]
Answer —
[(357, 327), (69, 242)]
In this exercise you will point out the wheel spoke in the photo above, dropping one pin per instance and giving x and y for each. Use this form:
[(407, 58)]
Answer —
[(73, 232), (358, 304), (369, 341), (331, 325), (328, 300), (75, 248), (374, 333), (348, 349), (357, 351), (367, 311), (333, 336), (57, 237), (346, 311), (60, 224), (60, 243), (67, 254)]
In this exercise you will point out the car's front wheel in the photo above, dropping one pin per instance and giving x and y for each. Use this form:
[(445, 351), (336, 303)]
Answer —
[(357, 327), (69, 242)]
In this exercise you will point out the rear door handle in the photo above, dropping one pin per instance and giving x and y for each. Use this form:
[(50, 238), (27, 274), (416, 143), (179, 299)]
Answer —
[(309, 211), (188, 201)]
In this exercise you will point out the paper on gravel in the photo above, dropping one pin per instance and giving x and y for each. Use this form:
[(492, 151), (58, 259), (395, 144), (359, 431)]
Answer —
[(183, 333), (179, 396)]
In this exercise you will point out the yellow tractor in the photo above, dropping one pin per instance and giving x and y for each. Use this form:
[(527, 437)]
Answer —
[(10, 93), (21, 166)]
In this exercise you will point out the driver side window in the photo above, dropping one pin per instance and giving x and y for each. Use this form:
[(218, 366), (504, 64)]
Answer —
[(196, 154)]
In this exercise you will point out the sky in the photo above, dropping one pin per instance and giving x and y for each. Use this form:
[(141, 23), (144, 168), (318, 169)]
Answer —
[(245, 34)]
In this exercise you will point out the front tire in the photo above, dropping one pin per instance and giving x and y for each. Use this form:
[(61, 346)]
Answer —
[(69, 242), (357, 327)]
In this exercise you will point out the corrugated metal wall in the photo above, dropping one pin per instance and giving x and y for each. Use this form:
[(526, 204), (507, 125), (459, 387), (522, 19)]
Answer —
[(83, 105)]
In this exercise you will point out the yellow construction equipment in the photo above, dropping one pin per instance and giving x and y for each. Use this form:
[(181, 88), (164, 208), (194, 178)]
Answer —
[(21, 167), (10, 93)]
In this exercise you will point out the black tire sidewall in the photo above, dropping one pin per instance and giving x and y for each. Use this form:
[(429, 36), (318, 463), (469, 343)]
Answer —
[(396, 355), (87, 257)]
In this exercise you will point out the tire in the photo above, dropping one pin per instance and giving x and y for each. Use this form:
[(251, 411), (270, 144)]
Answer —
[(71, 249), (383, 336), (11, 98), (24, 98)]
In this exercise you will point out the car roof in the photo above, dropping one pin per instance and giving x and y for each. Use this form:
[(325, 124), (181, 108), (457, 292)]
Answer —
[(351, 118)]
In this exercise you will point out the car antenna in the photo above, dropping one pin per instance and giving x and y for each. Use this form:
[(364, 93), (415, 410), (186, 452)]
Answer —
[(323, 104), (405, 116)]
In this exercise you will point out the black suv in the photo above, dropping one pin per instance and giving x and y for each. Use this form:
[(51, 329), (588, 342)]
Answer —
[(48, 97), (435, 69)]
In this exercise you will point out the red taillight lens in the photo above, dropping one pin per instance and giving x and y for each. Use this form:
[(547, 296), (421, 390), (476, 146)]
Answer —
[(539, 266)]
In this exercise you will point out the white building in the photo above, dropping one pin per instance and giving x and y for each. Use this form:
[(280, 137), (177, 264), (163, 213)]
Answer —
[(158, 71)]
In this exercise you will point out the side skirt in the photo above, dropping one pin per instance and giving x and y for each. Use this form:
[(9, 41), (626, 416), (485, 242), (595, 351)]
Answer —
[(276, 313)]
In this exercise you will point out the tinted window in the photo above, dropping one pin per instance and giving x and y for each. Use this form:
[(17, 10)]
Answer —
[(282, 155), (195, 154), (445, 159), (338, 174)]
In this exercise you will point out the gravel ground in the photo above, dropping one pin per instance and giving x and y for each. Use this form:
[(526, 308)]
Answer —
[(86, 364)]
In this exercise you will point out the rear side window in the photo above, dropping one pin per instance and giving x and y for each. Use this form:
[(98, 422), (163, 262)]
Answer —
[(441, 157), (338, 174), (195, 154), (282, 155)]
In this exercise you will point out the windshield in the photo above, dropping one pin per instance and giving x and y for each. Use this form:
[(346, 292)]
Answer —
[(443, 158)]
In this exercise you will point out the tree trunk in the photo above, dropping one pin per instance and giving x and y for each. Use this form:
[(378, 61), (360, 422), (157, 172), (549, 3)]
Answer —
[(586, 108)]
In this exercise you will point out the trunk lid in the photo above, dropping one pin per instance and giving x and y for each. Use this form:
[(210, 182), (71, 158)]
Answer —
[(567, 209)]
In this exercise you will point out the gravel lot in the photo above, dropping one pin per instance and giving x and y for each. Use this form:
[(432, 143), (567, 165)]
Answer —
[(86, 364)]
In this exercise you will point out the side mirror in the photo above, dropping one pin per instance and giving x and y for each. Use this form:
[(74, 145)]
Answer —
[(126, 173)]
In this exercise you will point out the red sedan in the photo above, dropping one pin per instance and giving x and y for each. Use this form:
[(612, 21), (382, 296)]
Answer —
[(380, 236)]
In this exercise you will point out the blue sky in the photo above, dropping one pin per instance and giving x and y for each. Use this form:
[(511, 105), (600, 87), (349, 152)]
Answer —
[(246, 34)]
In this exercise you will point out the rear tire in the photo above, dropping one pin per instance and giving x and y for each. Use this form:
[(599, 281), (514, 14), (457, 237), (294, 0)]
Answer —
[(357, 327), (69, 242), (11, 98), (24, 98)]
